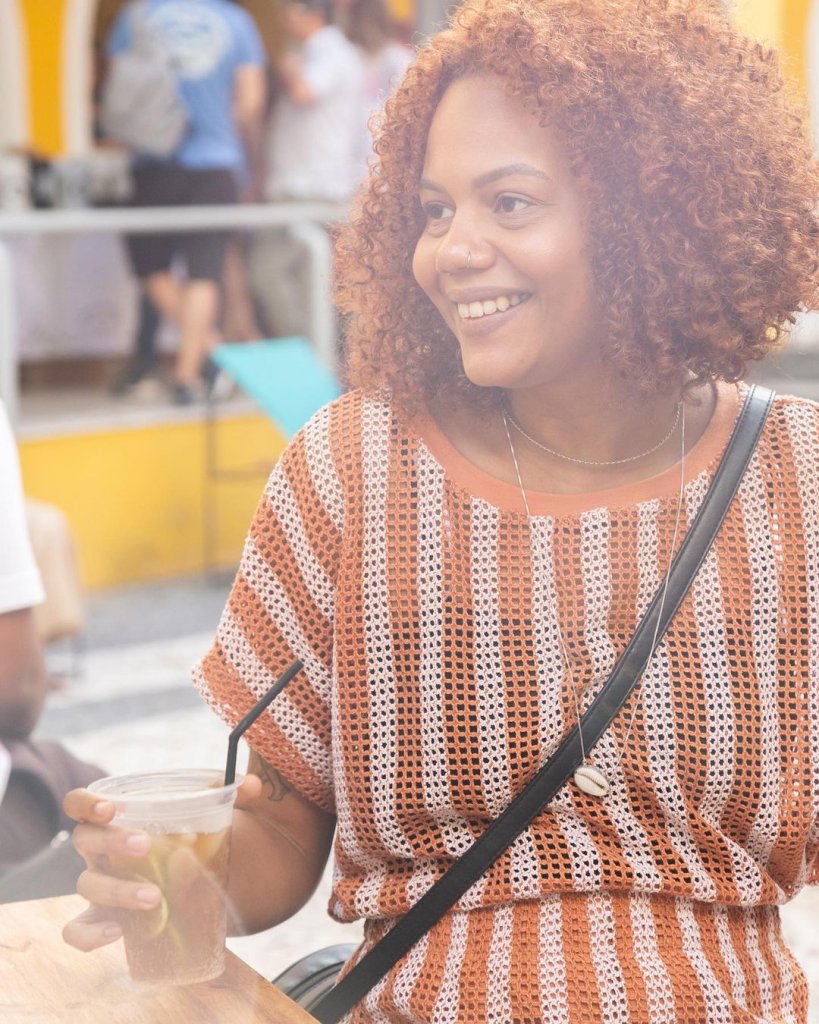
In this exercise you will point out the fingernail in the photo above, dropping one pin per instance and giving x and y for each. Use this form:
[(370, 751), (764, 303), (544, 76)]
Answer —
[(112, 931), (148, 895), (138, 842), (102, 807)]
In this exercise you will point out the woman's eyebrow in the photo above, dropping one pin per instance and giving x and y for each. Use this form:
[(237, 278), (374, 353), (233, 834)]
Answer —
[(507, 171), (495, 175)]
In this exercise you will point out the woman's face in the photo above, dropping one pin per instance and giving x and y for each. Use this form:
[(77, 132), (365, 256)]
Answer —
[(502, 255)]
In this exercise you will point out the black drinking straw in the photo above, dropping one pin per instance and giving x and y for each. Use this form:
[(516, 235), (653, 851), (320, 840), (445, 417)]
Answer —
[(252, 715)]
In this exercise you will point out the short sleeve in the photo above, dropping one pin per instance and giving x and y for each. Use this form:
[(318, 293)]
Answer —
[(249, 45), (20, 583), (281, 608), (331, 66)]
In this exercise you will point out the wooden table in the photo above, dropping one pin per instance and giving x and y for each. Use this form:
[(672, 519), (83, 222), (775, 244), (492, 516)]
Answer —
[(44, 981)]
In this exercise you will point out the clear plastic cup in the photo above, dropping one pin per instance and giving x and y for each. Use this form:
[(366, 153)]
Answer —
[(188, 814)]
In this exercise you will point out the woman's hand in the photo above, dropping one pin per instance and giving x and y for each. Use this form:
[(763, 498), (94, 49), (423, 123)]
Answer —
[(96, 839)]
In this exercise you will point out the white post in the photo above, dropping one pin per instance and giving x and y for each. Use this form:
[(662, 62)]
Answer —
[(8, 334), (322, 329), (302, 218)]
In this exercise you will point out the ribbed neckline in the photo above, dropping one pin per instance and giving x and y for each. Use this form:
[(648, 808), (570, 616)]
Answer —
[(480, 484)]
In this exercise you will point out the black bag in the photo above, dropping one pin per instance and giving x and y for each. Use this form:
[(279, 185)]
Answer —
[(329, 1003), (309, 979)]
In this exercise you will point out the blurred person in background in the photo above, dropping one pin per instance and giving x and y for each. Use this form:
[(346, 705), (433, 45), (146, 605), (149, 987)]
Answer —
[(371, 29), (35, 775), (218, 59), (313, 146)]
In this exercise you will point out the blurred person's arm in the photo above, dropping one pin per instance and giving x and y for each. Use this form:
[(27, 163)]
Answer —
[(294, 82), (23, 679), (308, 79), (249, 104)]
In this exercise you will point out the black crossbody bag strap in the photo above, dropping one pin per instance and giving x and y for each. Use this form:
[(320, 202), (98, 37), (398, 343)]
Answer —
[(528, 804)]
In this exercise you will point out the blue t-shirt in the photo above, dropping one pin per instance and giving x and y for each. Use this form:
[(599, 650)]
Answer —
[(207, 40)]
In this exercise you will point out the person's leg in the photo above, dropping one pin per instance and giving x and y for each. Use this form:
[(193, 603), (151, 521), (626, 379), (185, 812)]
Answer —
[(150, 256), (144, 359), (165, 292), (147, 330), (201, 295), (198, 310), (238, 315)]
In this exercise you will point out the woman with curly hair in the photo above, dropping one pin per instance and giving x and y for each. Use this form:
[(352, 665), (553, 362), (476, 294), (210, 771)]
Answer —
[(586, 219)]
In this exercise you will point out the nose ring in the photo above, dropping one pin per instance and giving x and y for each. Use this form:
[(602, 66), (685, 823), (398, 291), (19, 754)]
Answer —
[(468, 259)]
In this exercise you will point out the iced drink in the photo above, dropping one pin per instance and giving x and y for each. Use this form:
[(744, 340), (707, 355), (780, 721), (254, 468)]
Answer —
[(182, 940)]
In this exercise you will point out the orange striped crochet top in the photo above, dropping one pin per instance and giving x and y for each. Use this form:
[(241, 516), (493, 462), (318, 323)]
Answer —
[(405, 580)]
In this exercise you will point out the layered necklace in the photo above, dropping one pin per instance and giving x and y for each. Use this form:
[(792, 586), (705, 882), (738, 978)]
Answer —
[(588, 778), (596, 462)]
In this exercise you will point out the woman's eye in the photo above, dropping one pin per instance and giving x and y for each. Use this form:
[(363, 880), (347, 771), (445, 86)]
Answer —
[(437, 211), (511, 204)]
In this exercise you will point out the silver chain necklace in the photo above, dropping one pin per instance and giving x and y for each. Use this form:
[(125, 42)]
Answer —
[(594, 462), (587, 778)]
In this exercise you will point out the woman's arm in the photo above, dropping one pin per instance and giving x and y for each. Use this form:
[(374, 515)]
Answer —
[(23, 679), (279, 846)]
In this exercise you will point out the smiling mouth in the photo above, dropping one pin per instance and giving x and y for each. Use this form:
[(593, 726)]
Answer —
[(488, 307)]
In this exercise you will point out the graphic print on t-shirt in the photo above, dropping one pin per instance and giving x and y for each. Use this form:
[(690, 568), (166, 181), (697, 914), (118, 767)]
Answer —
[(196, 37)]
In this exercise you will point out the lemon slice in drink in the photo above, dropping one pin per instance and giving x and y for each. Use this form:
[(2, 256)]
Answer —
[(155, 921), (152, 923)]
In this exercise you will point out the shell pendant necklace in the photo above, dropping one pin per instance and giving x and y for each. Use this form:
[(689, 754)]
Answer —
[(587, 777)]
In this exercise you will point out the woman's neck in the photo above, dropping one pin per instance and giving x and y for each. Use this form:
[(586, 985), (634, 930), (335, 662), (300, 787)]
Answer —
[(611, 426), (606, 425)]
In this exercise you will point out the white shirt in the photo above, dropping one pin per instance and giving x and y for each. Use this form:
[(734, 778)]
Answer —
[(313, 150), (383, 72), (20, 583)]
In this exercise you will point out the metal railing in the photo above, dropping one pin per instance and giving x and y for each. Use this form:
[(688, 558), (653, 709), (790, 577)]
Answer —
[(304, 220)]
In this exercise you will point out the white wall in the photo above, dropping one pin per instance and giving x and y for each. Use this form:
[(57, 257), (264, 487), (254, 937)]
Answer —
[(13, 75)]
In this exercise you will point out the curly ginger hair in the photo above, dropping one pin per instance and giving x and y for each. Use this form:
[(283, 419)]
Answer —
[(691, 154)]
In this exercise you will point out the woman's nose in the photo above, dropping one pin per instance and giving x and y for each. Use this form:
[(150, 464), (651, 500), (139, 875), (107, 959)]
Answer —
[(467, 251)]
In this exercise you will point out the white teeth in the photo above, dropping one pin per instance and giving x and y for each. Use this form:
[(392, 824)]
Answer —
[(474, 310)]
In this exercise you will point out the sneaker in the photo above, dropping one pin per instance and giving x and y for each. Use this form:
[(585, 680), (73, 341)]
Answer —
[(131, 376), (209, 373), (181, 394)]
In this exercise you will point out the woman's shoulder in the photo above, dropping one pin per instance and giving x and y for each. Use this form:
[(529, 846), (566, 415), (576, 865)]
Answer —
[(343, 430), (796, 419), (795, 405), (790, 443)]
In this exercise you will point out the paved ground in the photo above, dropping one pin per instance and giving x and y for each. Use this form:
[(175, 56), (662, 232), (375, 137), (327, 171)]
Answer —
[(134, 706)]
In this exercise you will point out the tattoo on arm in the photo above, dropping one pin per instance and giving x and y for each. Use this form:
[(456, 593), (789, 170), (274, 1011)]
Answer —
[(274, 786)]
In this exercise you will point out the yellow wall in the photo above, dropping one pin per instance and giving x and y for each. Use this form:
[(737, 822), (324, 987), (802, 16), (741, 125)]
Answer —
[(136, 498), (794, 33), (761, 19), (43, 28), (779, 23)]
